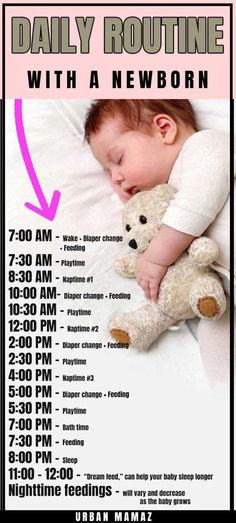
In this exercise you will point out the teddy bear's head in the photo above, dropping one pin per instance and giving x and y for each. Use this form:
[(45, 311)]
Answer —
[(142, 216)]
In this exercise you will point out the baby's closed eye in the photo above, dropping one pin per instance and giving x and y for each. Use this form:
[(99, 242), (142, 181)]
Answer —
[(120, 159)]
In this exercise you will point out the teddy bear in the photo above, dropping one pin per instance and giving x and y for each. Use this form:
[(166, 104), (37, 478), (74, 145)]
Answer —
[(189, 288)]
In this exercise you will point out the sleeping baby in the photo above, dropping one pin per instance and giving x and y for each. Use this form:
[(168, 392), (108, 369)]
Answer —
[(143, 143)]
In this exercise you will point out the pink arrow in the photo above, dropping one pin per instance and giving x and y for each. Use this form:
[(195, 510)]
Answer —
[(45, 210)]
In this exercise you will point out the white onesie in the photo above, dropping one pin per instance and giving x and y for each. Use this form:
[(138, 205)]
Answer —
[(201, 175)]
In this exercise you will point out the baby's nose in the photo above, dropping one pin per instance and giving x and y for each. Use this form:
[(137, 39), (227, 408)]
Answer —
[(116, 176)]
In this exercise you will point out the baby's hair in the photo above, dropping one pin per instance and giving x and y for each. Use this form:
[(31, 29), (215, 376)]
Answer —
[(137, 114)]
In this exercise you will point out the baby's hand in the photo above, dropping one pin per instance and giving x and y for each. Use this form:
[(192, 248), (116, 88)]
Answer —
[(149, 275)]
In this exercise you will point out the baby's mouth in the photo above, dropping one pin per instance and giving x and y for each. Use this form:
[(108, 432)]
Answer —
[(131, 191)]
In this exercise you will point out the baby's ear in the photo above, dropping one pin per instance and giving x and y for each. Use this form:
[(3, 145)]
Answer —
[(166, 127)]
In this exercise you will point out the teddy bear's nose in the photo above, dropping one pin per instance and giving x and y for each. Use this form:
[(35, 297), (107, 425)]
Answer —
[(133, 244)]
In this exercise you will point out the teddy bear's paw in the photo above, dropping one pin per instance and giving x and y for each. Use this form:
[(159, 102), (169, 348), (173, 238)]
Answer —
[(208, 306), (203, 251), (119, 328), (125, 265), (120, 335), (207, 298), (118, 266), (127, 329)]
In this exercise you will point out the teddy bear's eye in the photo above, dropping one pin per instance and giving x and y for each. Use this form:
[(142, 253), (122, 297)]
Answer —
[(128, 228), (142, 219)]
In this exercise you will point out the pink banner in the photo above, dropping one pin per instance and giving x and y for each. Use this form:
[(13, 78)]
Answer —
[(110, 52)]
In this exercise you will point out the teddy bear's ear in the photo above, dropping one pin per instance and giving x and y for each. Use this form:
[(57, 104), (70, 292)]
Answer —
[(165, 191)]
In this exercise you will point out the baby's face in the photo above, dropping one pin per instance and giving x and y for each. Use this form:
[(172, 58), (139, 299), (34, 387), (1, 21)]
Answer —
[(133, 160)]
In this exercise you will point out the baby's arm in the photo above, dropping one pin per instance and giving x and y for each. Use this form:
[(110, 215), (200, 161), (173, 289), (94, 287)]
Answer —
[(203, 187), (163, 251)]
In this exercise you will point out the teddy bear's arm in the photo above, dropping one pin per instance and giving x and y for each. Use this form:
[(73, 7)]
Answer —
[(125, 266), (203, 251)]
